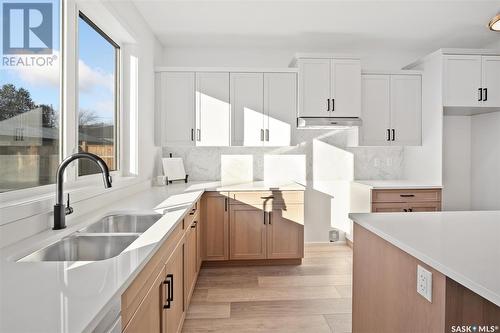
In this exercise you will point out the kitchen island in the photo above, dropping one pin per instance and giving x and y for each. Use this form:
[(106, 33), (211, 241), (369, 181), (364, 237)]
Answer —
[(460, 249)]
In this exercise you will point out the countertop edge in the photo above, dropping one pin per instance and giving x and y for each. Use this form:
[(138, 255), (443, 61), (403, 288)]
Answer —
[(478, 289)]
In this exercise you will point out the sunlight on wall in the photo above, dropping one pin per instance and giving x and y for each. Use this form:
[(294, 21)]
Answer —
[(280, 132), (236, 169), (281, 169), (133, 113)]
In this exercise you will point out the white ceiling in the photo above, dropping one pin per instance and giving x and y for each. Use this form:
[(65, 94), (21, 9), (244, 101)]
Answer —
[(410, 26)]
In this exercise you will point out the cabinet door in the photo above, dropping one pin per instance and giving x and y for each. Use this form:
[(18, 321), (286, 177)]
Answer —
[(190, 262), (174, 313), (247, 98), (424, 207), (285, 232), (212, 109), (406, 109), (280, 107), (314, 85), (491, 81), (462, 80), (198, 244), (177, 108), (346, 88), (149, 315), (216, 226), (376, 106), (247, 232)]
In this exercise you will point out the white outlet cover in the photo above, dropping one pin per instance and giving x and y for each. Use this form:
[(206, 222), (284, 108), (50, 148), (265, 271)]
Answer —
[(424, 283)]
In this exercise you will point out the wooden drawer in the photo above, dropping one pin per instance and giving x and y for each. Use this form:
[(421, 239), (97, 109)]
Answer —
[(266, 197), (402, 195), (132, 297), (391, 207), (193, 214)]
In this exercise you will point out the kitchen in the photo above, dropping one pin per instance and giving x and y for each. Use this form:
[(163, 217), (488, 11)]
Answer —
[(183, 168)]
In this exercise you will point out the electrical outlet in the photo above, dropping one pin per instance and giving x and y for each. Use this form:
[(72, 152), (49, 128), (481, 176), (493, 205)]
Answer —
[(424, 283)]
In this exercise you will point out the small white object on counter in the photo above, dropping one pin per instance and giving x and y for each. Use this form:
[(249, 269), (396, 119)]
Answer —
[(465, 246)]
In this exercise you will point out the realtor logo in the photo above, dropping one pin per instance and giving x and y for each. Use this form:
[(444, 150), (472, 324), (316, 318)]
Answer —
[(27, 28)]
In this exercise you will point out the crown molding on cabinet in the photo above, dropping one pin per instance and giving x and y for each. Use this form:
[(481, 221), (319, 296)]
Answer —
[(226, 69), (450, 51)]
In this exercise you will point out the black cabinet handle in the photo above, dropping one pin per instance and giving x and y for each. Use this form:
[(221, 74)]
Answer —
[(261, 134), (265, 217), (267, 134), (407, 195), (192, 134), (388, 135), (480, 98), (169, 282), (410, 210), (328, 102), (225, 204), (269, 218), (485, 94), (405, 210), (333, 104), (393, 134)]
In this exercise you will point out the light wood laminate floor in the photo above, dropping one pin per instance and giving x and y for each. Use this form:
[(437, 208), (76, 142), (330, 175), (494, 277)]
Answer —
[(313, 297)]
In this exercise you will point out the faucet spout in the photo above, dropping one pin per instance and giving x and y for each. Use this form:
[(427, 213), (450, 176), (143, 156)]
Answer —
[(60, 210)]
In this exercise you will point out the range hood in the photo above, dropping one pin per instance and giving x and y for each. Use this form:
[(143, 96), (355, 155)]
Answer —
[(328, 122)]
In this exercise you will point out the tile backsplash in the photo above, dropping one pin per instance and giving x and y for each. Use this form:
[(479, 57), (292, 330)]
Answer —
[(313, 150)]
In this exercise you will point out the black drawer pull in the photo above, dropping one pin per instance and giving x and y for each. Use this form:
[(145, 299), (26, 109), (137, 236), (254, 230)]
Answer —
[(167, 294), (269, 197), (407, 195)]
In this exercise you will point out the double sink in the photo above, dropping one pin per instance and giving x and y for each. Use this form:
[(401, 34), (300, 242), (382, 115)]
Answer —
[(104, 239)]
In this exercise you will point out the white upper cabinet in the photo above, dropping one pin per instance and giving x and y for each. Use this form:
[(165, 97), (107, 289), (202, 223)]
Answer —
[(212, 109), (406, 110), (280, 108), (329, 87), (491, 81), (471, 81), (376, 110), (391, 110), (247, 109), (345, 88), (315, 90), (462, 80), (176, 108)]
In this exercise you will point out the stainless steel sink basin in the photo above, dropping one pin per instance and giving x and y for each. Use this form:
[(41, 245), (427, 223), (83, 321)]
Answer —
[(123, 223), (83, 248)]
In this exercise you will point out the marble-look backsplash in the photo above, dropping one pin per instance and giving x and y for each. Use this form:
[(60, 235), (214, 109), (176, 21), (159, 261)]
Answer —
[(318, 147)]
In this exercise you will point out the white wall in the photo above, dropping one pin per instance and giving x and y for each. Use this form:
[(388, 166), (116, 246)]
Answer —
[(485, 159), (457, 163)]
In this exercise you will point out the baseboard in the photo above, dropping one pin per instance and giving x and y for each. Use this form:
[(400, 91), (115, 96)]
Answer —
[(261, 262)]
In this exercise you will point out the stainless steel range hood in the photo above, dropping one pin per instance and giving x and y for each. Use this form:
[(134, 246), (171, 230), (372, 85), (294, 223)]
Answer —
[(328, 122)]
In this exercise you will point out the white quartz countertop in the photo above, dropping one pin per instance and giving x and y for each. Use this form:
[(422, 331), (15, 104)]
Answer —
[(465, 246), (398, 184), (73, 296)]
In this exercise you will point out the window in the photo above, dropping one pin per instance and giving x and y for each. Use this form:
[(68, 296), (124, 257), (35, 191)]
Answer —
[(29, 95), (97, 96)]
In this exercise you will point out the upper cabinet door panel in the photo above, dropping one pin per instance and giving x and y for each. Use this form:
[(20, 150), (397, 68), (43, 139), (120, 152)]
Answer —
[(461, 80), (314, 82), (406, 109), (346, 87), (280, 107), (491, 81), (177, 108), (247, 98), (376, 110), (212, 109)]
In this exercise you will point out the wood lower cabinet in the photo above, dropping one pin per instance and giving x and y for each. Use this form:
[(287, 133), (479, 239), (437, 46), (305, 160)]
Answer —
[(285, 232), (406, 200), (149, 315), (247, 232), (190, 261), (215, 212), (174, 308)]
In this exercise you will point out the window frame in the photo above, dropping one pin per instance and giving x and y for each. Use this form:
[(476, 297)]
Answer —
[(117, 99)]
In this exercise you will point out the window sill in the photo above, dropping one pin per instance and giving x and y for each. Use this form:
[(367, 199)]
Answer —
[(42, 200)]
